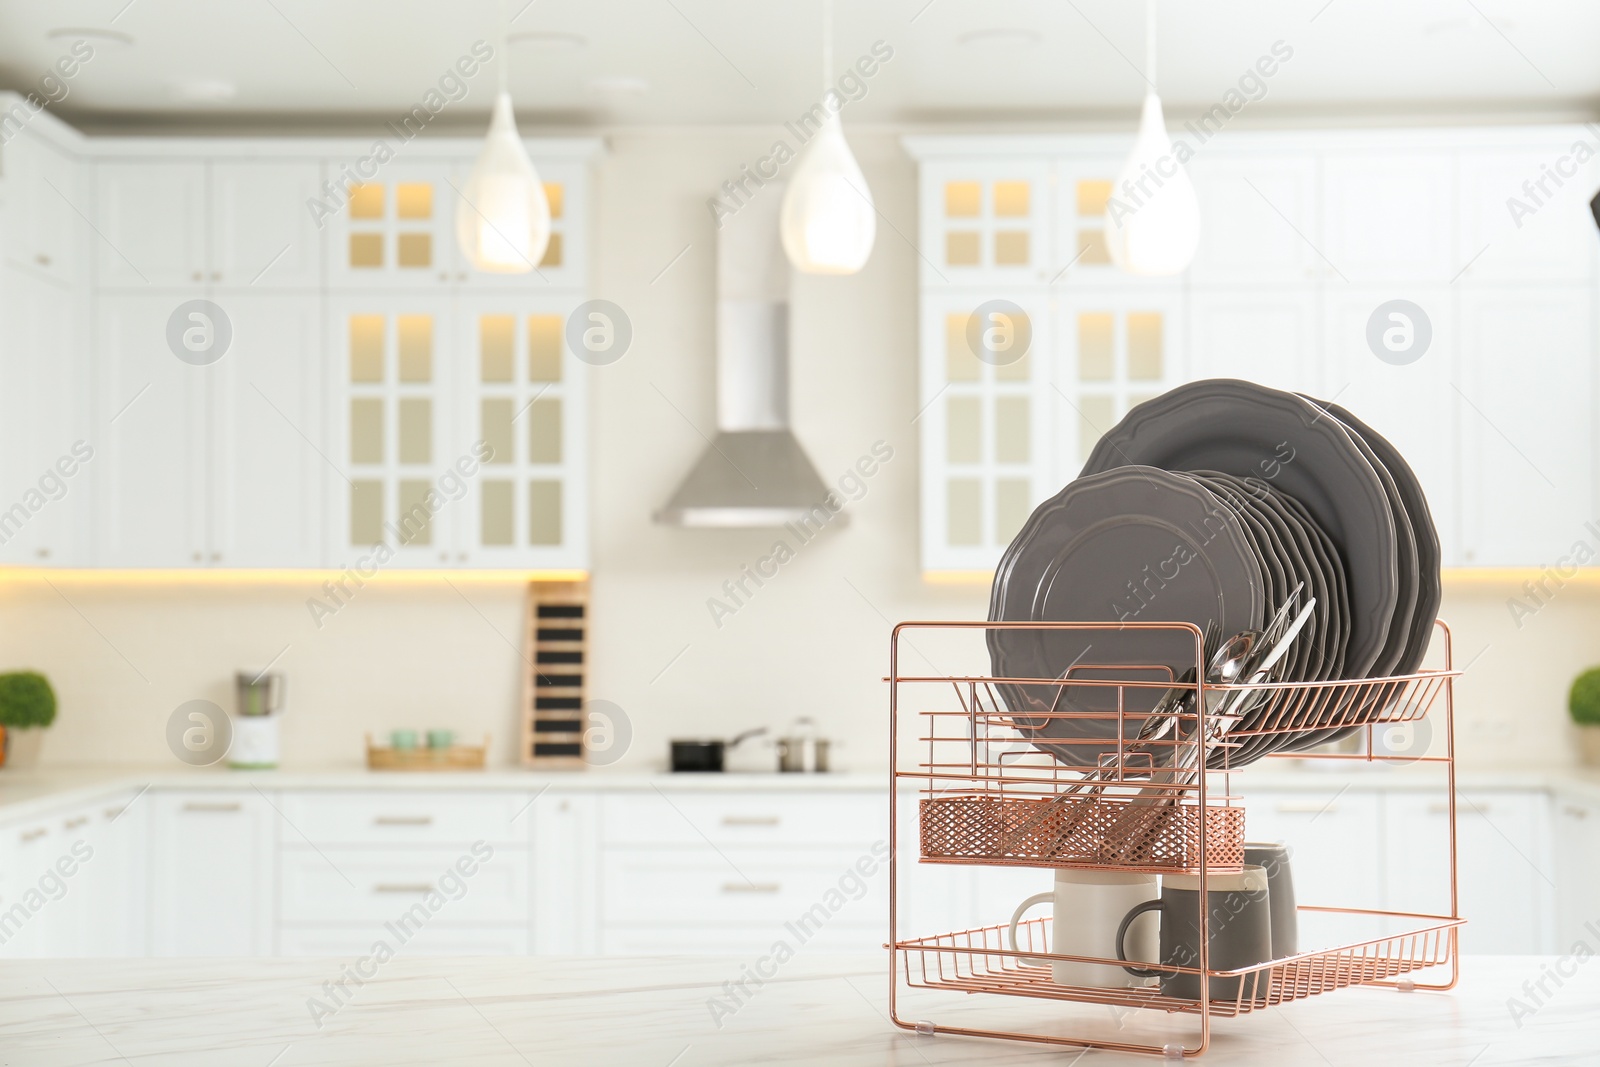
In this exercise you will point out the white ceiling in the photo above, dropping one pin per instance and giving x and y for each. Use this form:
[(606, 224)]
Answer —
[(758, 61)]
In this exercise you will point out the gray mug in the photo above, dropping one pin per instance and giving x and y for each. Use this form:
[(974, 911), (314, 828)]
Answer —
[(1239, 929), (1273, 857)]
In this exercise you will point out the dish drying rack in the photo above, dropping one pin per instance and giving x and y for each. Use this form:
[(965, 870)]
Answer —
[(988, 795)]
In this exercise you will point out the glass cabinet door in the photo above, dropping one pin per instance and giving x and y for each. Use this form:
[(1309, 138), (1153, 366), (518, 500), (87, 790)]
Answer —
[(395, 230), (985, 222), (984, 425), (394, 366), (522, 409)]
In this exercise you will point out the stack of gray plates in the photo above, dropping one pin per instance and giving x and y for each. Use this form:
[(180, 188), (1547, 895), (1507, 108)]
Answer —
[(1208, 505)]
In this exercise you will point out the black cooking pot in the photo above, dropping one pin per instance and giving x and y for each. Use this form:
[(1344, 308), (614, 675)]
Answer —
[(705, 755)]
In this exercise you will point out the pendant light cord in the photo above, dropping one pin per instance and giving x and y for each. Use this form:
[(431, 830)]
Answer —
[(1150, 41), (505, 47), (827, 45)]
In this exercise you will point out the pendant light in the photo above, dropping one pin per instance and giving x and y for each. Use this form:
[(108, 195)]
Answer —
[(1153, 219), (503, 220), (828, 222)]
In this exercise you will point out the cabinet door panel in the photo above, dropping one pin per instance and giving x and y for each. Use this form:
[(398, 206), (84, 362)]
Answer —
[(1258, 220), (262, 234), (46, 487), (152, 471), (1577, 871), (987, 222), (1265, 338), (1501, 854), (1414, 405), (267, 442), (211, 883), (1389, 216), (1513, 230), (152, 222), (1336, 858), (1527, 419), (396, 231), (43, 228)]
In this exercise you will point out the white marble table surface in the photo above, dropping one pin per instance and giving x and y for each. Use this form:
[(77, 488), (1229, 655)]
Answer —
[(656, 1013)]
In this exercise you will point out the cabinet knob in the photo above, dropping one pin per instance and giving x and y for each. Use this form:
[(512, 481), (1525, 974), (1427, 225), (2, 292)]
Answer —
[(198, 556), (444, 276), (199, 276), (444, 557), (42, 553), (216, 275), (1574, 812), (42, 259), (462, 557), (33, 835), (215, 556), (461, 277)]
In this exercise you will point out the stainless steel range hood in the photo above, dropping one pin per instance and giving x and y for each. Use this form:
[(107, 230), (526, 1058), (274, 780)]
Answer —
[(754, 473)]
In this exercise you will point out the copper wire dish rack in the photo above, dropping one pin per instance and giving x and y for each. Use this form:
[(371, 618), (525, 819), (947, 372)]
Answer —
[(989, 795)]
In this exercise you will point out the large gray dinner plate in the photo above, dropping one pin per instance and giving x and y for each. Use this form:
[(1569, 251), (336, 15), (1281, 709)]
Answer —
[(1250, 430), (1130, 545)]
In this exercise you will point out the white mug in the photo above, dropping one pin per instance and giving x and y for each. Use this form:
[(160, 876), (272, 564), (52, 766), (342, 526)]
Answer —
[(1088, 906)]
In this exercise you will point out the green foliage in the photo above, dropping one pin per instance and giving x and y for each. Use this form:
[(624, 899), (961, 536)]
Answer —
[(1584, 701), (26, 699)]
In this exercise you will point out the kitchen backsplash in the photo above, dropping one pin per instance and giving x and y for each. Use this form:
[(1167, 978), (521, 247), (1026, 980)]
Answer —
[(810, 640)]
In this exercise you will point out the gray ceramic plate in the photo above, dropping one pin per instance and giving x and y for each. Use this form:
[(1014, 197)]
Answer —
[(1250, 430), (1133, 545)]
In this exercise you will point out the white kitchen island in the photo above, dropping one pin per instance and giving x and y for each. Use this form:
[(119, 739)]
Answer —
[(657, 1012)]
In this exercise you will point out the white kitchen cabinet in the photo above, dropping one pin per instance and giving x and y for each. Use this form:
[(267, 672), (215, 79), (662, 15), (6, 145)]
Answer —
[(46, 483), (152, 410), (365, 887), (262, 233), (1304, 235), (1337, 858), (1258, 225), (1414, 405), (151, 218), (986, 222), (215, 465), (564, 876), (1514, 230), (986, 423), (211, 873), (1527, 409), (1505, 877), (1261, 335), (266, 448), (1576, 841), (29, 900), (1387, 215), (43, 229)]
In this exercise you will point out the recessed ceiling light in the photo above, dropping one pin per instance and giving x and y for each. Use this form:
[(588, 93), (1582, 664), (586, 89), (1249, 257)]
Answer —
[(204, 90), (1001, 35), (618, 86), (548, 39), (88, 33)]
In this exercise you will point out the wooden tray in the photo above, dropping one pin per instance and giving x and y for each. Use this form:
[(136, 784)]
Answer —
[(454, 758)]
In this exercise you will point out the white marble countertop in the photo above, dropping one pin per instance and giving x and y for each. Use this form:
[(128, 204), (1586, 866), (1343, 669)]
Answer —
[(657, 1013), (24, 792)]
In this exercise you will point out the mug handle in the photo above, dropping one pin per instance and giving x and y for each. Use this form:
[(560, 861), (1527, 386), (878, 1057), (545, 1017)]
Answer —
[(1154, 904), (1016, 917)]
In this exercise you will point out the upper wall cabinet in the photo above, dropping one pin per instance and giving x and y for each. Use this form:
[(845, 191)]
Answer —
[(45, 202), (398, 230), (191, 223), (1305, 237)]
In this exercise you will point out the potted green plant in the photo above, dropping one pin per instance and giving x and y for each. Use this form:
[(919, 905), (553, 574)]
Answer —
[(27, 706), (1583, 704)]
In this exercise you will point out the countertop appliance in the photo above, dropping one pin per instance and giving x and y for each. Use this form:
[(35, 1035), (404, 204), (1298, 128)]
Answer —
[(259, 699)]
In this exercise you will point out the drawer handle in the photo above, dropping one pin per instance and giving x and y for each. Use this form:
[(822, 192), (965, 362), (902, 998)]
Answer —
[(200, 805), (1576, 813), (112, 813), (420, 889), (403, 820), (1306, 807), (34, 835), (750, 887), (73, 824), (750, 820)]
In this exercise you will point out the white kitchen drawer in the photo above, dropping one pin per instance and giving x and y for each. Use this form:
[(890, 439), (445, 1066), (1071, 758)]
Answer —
[(743, 942), (350, 885), (745, 819), (353, 942), (743, 886), (403, 817)]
